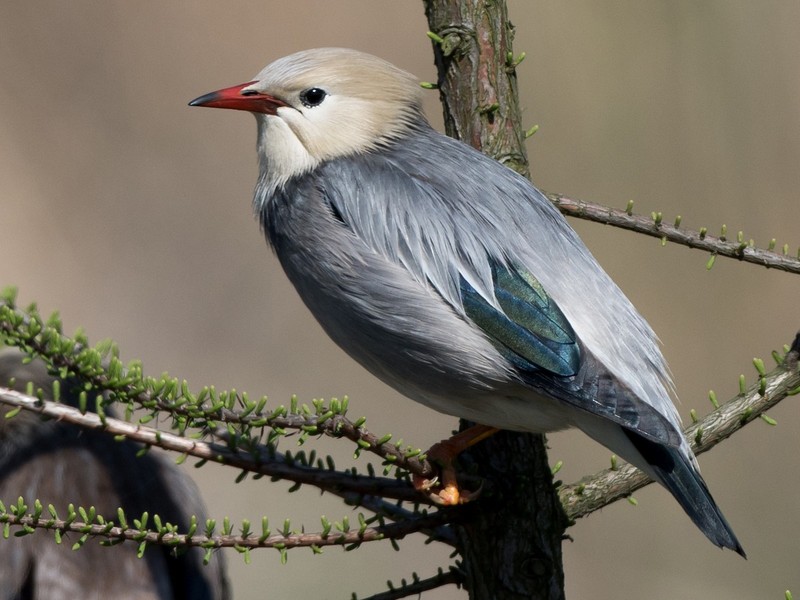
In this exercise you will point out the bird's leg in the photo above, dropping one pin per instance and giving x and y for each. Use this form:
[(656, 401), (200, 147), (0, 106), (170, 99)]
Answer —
[(444, 490)]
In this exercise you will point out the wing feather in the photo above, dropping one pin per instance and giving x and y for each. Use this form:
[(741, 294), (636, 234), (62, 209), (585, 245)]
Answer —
[(528, 328), (502, 257)]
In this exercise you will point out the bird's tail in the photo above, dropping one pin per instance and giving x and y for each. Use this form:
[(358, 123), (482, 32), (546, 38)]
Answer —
[(675, 471)]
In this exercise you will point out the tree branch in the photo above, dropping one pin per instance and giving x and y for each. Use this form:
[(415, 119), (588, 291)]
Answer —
[(654, 226), (166, 535), (263, 462), (418, 586)]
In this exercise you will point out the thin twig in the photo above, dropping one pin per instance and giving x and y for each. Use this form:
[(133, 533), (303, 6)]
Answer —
[(264, 463), (340, 426), (111, 531), (422, 585), (376, 504), (360, 490), (718, 246)]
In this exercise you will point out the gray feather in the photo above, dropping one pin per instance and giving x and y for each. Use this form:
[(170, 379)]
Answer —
[(420, 216)]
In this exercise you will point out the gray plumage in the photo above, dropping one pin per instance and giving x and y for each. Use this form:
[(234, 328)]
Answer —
[(449, 276), (59, 463)]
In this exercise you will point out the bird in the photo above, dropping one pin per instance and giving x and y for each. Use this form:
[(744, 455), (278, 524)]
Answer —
[(448, 275), (59, 463)]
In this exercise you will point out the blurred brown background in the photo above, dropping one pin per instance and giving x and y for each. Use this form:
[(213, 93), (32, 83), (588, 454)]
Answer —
[(130, 213)]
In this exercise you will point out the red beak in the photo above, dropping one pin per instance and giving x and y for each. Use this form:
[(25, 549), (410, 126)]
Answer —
[(235, 98)]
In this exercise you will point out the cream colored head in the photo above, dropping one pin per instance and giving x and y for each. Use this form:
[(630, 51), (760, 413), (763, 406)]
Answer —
[(322, 104), (330, 102), (366, 99)]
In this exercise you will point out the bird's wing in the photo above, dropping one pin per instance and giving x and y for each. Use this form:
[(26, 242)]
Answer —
[(472, 253), (532, 333), (527, 327)]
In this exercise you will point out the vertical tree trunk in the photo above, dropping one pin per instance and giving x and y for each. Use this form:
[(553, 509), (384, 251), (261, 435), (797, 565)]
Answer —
[(513, 549), (477, 80)]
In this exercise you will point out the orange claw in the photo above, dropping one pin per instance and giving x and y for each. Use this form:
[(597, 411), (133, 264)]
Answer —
[(443, 490)]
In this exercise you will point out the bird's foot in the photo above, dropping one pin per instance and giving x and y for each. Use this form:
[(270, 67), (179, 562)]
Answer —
[(444, 495), (443, 489)]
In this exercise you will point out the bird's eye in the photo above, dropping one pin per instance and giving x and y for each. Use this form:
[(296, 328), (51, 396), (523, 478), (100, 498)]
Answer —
[(312, 97)]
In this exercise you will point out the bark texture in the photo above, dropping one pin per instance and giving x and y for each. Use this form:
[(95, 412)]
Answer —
[(477, 80), (512, 550)]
